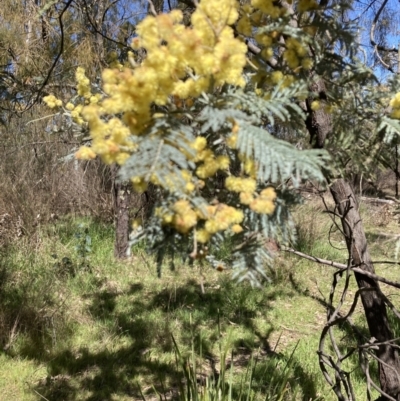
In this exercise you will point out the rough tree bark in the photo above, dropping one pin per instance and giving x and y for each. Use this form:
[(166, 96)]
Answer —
[(374, 304)]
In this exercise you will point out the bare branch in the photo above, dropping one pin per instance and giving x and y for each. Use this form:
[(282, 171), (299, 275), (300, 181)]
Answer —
[(342, 266), (372, 38), (152, 8), (57, 58)]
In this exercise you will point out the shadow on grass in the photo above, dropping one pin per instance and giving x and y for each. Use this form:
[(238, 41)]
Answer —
[(110, 373)]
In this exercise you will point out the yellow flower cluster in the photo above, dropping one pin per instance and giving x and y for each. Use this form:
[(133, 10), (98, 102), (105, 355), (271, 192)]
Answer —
[(295, 54), (52, 101), (395, 104), (315, 105), (238, 184), (231, 141), (110, 139), (174, 51), (269, 7), (244, 26), (76, 113), (199, 144), (83, 82), (265, 41), (173, 182), (112, 60), (211, 163), (262, 203), (183, 217), (264, 81), (249, 166), (85, 153), (328, 108), (181, 62), (221, 217), (139, 184)]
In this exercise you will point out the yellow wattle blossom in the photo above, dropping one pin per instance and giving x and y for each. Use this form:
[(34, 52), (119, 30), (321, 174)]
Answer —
[(264, 203), (244, 26), (267, 53), (204, 154), (222, 217), (69, 106), (85, 153), (291, 58), (185, 217), (262, 206), (263, 39), (231, 141), (238, 184), (220, 13), (276, 77), (296, 54), (307, 63), (294, 44), (199, 143), (268, 7), (181, 62), (203, 236), (237, 228), (208, 169), (52, 101), (315, 105), (395, 104), (83, 83), (395, 114), (211, 163), (246, 198), (268, 193), (139, 185), (223, 162)]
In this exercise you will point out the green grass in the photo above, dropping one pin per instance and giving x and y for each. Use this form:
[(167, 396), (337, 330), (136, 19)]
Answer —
[(90, 328)]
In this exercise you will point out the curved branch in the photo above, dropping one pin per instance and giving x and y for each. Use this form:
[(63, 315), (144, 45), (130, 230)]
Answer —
[(97, 31), (59, 54), (377, 47)]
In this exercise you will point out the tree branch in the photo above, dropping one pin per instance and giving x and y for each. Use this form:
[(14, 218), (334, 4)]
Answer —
[(373, 42), (342, 266)]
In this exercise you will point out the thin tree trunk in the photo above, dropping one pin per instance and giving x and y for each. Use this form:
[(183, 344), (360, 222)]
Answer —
[(121, 192), (397, 173), (374, 305), (319, 126)]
